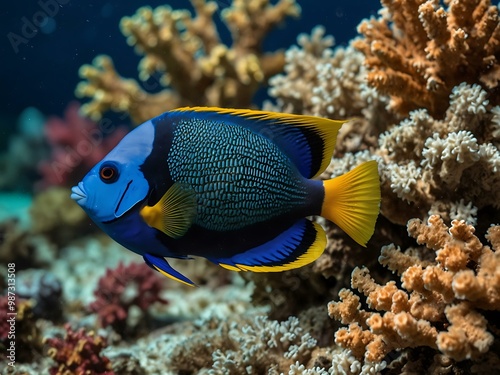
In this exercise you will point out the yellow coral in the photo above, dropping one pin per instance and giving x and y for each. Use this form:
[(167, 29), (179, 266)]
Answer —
[(190, 58)]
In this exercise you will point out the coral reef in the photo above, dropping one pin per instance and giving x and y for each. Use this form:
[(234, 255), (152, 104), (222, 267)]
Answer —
[(78, 353), (444, 166), (417, 51), (82, 263), (320, 81), (77, 144), (441, 299), (196, 67), (420, 85), (256, 346), (120, 289), (441, 158)]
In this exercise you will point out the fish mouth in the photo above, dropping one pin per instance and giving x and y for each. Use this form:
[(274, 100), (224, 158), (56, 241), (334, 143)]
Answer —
[(78, 194)]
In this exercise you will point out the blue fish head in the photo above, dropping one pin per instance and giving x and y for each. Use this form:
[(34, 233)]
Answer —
[(116, 184), (110, 190)]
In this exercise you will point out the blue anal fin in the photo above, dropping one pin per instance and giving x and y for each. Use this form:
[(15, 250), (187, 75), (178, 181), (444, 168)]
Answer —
[(161, 265), (297, 246)]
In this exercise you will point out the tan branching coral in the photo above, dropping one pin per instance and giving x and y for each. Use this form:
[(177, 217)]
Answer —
[(417, 51), (192, 60), (439, 302)]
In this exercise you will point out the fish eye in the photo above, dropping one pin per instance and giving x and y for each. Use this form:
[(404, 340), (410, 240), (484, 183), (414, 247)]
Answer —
[(108, 173)]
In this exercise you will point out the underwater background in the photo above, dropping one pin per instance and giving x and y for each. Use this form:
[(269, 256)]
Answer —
[(419, 81)]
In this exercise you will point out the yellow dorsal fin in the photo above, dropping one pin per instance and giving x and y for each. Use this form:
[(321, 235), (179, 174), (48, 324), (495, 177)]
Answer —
[(308, 141), (174, 213)]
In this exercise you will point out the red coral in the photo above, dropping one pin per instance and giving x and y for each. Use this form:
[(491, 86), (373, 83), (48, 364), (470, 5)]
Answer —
[(123, 287), (78, 353), (77, 145)]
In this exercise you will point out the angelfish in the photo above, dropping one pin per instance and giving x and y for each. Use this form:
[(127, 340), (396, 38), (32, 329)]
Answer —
[(232, 186)]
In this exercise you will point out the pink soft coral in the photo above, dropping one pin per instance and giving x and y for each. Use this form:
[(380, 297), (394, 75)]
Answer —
[(77, 145), (124, 287), (78, 353)]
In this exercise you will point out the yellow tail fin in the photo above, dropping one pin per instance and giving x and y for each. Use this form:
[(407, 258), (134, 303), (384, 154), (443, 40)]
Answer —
[(352, 201)]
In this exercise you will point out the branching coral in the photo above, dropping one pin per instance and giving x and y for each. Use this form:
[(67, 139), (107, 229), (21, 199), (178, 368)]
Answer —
[(440, 302), (446, 166), (433, 164), (57, 217), (326, 82), (120, 289), (417, 51), (78, 353), (197, 67), (444, 157), (257, 346), (319, 80)]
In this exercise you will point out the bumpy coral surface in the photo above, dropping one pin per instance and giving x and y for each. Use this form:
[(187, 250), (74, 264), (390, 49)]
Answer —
[(191, 59), (120, 289), (417, 51), (444, 289), (79, 352), (446, 166)]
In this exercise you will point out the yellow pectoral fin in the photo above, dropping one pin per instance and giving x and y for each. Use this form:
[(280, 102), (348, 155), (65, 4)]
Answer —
[(174, 213)]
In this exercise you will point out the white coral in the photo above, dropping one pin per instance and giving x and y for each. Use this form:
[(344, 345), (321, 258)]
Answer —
[(450, 156), (461, 211), (403, 179), (344, 363), (495, 123), (467, 98), (298, 369), (461, 146), (434, 147)]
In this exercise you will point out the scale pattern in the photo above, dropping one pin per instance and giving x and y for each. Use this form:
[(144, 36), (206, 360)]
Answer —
[(240, 178)]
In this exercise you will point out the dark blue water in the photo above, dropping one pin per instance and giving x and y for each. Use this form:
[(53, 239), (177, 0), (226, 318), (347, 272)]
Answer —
[(41, 68)]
